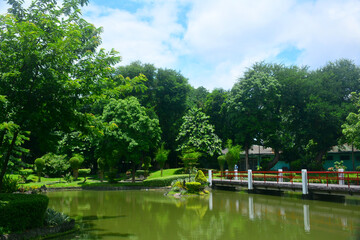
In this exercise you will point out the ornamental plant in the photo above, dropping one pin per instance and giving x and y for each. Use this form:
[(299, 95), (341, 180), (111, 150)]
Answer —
[(161, 157), (40, 164), (75, 163)]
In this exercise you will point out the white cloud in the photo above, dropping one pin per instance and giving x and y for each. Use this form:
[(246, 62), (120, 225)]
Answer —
[(216, 41)]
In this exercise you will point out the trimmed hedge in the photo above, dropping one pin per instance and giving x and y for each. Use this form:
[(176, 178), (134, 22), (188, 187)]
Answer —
[(22, 211), (163, 181), (83, 172), (193, 187)]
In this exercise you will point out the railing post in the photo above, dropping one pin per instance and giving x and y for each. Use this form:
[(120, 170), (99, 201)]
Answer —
[(236, 175), (341, 177), (304, 182), (280, 175), (210, 177), (226, 173), (250, 180)]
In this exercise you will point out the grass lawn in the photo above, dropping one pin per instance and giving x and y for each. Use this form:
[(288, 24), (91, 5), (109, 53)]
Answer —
[(166, 173)]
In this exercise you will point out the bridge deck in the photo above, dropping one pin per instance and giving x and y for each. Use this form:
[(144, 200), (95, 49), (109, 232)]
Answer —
[(296, 186)]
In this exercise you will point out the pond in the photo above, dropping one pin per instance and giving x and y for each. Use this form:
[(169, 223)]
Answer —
[(220, 215)]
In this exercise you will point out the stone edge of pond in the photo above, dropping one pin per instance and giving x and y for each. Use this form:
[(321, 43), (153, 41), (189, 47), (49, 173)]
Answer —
[(41, 232)]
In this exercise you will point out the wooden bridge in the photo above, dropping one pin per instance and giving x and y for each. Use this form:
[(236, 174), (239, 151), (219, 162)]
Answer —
[(308, 182)]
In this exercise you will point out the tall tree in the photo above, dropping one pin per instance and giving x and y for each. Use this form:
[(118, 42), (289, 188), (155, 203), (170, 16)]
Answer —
[(130, 134), (49, 65), (197, 133), (250, 108)]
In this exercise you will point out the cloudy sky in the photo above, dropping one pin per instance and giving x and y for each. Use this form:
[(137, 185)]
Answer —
[(212, 42)]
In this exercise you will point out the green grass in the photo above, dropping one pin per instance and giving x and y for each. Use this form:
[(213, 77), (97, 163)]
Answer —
[(166, 173)]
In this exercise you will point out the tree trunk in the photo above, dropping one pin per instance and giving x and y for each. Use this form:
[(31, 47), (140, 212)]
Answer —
[(247, 157), (319, 156), (274, 161), (133, 171), (7, 157)]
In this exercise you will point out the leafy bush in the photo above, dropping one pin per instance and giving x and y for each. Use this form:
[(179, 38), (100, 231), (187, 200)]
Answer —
[(40, 164), (296, 165), (163, 181), (55, 165), (200, 177), (180, 171), (25, 173), (111, 175), (83, 172), (54, 218), (358, 168), (221, 160), (9, 185), (22, 211), (75, 163), (193, 187), (139, 173)]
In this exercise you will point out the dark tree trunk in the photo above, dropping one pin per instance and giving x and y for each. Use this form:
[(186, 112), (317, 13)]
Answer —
[(319, 156), (275, 160), (7, 157), (133, 171)]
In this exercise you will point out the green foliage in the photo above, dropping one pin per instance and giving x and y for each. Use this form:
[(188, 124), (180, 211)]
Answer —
[(55, 165), (53, 218), (190, 158), (146, 165), (296, 165), (22, 211), (101, 163), (163, 181), (193, 187), (111, 175), (196, 132), (25, 173), (221, 160), (233, 155), (161, 156), (358, 168), (68, 178), (10, 185), (139, 173), (83, 172), (75, 163), (200, 177), (40, 164)]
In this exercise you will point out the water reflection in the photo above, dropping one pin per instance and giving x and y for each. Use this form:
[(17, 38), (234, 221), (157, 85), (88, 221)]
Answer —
[(219, 215)]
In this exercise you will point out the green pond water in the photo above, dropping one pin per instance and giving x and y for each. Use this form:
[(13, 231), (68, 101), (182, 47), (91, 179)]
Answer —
[(220, 215)]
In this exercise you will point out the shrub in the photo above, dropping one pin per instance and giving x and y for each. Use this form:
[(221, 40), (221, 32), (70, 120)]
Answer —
[(22, 211), (180, 171), (163, 181), (221, 160), (139, 173), (84, 172), (296, 165), (193, 187), (54, 218), (200, 177), (111, 175), (55, 165), (40, 164), (75, 163), (25, 173), (9, 185), (358, 168)]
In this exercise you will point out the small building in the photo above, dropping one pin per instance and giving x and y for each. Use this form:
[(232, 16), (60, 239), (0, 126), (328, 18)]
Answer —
[(343, 153)]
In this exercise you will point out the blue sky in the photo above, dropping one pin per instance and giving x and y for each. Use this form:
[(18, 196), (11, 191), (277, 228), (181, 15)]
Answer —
[(212, 42)]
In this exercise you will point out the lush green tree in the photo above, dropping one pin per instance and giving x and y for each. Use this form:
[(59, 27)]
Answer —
[(165, 96), (196, 132), (75, 163), (221, 160), (213, 107), (190, 158), (250, 108), (197, 97), (49, 66), (161, 157), (130, 134)]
